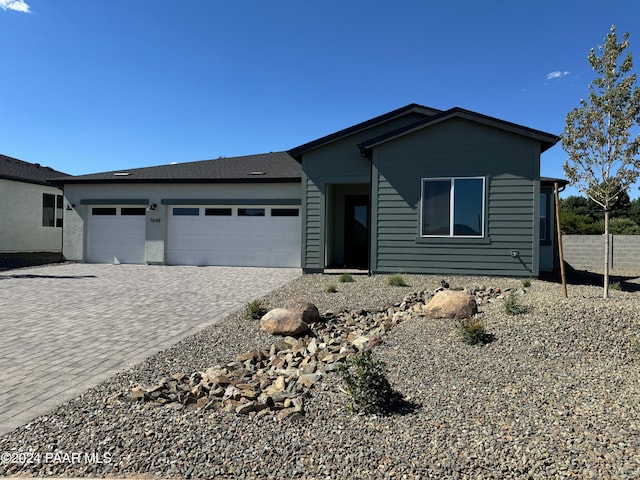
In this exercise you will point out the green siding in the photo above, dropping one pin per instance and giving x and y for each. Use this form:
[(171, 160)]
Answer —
[(312, 245), (338, 162), (457, 148)]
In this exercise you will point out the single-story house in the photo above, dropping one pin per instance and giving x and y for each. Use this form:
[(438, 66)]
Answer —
[(30, 214), (414, 190)]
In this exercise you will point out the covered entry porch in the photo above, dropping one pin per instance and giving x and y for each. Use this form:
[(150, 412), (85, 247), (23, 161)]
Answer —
[(347, 233)]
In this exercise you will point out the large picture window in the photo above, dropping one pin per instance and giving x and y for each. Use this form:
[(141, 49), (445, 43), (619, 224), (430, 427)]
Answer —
[(452, 207)]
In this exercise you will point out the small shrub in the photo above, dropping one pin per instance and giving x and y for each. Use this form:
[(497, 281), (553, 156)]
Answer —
[(367, 384), (473, 332), (331, 288), (636, 347), (397, 281), (255, 310), (513, 305), (345, 278), (615, 286), (526, 283)]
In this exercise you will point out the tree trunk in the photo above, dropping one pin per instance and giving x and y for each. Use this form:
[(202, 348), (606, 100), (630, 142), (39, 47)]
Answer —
[(606, 253)]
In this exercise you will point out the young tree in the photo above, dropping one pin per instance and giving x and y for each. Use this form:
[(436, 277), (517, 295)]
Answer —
[(603, 155)]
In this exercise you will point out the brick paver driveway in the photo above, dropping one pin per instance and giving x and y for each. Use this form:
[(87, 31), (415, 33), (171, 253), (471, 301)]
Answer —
[(65, 328)]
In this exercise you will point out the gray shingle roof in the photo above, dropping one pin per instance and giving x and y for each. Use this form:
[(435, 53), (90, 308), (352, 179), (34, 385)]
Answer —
[(266, 167), (21, 171)]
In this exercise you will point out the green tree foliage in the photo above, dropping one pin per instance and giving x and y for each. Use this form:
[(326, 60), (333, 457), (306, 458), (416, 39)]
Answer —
[(603, 156), (581, 216), (634, 211), (574, 224), (623, 226)]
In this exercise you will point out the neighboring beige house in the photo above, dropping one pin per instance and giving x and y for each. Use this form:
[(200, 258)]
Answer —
[(30, 214)]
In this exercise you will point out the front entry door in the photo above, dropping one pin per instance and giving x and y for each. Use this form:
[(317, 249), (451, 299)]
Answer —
[(356, 231)]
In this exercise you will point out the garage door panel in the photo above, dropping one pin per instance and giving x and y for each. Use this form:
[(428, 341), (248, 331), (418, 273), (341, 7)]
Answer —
[(116, 236), (263, 241)]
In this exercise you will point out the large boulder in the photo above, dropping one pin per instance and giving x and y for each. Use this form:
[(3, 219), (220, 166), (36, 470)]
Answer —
[(307, 311), (281, 321), (455, 304)]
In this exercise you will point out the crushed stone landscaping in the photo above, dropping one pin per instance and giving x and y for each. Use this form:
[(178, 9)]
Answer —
[(554, 394)]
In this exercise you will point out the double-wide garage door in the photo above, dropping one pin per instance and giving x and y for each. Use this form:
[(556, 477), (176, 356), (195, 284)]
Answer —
[(258, 236)]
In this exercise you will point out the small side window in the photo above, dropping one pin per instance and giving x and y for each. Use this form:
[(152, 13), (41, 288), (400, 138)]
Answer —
[(132, 211), (186, 211), (217, 212), (251, 212), (103, 211), (285, 212)]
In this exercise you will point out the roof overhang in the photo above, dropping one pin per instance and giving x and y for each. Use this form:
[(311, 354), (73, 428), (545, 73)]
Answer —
[(547, 140), (297, 152)]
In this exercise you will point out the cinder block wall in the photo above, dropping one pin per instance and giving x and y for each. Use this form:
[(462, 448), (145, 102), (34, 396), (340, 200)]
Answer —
[(586, 252)]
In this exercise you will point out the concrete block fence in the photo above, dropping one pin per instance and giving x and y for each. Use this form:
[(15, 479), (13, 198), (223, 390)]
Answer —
[(586, 252)]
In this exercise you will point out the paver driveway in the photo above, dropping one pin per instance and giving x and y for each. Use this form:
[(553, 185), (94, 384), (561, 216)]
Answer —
[(65, 328)]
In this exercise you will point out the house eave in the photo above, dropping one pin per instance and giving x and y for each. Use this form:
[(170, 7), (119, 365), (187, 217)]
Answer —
[(298, 151), (547, 140)]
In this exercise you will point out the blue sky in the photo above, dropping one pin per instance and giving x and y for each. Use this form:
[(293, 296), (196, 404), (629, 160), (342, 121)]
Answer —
[(89, 86)]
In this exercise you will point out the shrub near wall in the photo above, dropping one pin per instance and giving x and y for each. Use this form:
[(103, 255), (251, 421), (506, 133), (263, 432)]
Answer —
[(586, 252)]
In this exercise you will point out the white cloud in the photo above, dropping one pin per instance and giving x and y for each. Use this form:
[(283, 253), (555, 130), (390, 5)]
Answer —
[(556, 74), (17, 5)]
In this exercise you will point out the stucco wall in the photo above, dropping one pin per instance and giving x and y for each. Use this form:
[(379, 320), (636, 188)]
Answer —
[(586, 252), (21, 227), (75, 220)]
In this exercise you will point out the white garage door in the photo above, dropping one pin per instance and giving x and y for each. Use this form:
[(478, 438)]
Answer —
[(116, 234), (256, 236)]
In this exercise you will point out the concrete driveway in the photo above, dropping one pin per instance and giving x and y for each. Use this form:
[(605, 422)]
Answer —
[(66, 328)]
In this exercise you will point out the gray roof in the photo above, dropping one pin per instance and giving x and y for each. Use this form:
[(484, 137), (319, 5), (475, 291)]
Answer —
[(21, 171), (547, 140), (261, 168)]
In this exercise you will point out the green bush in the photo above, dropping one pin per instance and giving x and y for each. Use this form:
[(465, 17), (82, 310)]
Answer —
[(367, 384), (622, 226), (331, 288), (573, 224), (254, 310), (513, 305), (397, 281), (473, 332), (526, 283), (615, 286), (345, 278)]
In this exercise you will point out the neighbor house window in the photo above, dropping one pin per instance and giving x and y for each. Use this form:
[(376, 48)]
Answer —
[(452, 207), (51, 210)]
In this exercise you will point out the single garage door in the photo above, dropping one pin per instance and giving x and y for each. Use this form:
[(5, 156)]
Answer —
[(116, 234), (257, 236)]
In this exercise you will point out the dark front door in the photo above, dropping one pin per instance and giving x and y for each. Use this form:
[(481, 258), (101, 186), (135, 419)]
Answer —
[(356, 231)]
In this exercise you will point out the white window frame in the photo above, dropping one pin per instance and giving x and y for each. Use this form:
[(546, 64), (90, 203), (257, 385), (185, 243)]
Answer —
[(452, 181)]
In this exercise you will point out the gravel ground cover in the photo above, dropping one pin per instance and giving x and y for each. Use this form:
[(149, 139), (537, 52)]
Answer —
[(554, 395)]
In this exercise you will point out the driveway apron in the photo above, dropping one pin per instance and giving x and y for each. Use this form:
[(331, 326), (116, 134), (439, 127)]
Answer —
[(66, 328)]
